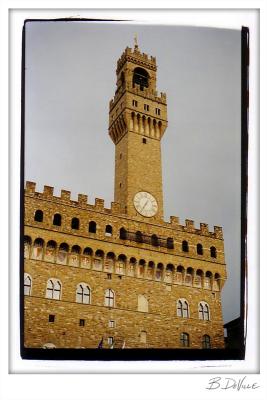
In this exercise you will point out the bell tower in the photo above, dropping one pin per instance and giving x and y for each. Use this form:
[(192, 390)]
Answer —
[(137, 122)]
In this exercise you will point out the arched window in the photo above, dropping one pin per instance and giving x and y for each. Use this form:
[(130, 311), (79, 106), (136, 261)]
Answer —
[(74, 257), (159, 272), (75, 223), (179, 275), (98, 260), (150, 270), (123, 234), (140, 77), (50, 251), (57, 220), (170, 243), (199, 278), (53, 289), (204, 311), (184, 339), (86, 257), (62, 253), (182, 308), (169, 273), (132, 266), (185, 246), (27, 246), (208, 280), (109, 298), (141, 268), (38, 247), (139, 237), (121, 264), (38, 216), (206, 342), (27, 284), (213, 252), (92, 227), (217, 282), (189, 276), (49, 346), (88, 251), (154, 240), (142, 303), (108, 231), (199, 249), (83, 293)]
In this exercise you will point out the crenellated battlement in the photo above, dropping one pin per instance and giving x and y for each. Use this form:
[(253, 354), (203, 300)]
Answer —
[(146, 93), (135, 56), (115, 209), (65, 198), (190, 228)]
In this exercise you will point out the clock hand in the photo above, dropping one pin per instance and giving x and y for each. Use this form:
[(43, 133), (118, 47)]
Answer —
[(144, 205)]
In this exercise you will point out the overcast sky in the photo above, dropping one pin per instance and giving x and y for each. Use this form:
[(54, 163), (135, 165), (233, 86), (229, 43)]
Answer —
[(70, 78)]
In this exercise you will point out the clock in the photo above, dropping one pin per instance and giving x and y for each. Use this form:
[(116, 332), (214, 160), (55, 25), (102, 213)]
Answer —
[(145, 204)]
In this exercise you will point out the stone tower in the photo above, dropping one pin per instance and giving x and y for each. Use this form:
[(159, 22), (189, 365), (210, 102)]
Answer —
[(137, 122)]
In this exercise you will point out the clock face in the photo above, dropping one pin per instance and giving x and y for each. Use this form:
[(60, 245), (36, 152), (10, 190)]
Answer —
[(145, 204)]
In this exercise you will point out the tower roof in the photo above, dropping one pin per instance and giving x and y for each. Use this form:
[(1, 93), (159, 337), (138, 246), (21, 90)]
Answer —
[(135, 56)]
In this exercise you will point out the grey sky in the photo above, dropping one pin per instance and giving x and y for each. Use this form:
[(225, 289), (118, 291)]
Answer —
[(70, 78)]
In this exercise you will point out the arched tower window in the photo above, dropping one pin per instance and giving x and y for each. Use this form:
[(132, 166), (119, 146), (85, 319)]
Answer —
[(108, 231), (199, 249), (92, 227), (75, 223), (170, 243), (154, 240), (139, 237), (38, 216), (140, 77), (123, 234), (185, 246), (57, 220), (213, 252)]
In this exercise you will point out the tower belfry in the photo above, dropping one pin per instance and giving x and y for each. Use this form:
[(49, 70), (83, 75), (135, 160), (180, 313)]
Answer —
[(137, 122)]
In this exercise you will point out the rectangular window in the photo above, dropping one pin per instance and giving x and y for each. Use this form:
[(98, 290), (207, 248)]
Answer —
[(82, 322), (158, 111), (146, 107), (135, 103), (111, 324), (109, 276), (110, 341), (51, 318)]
